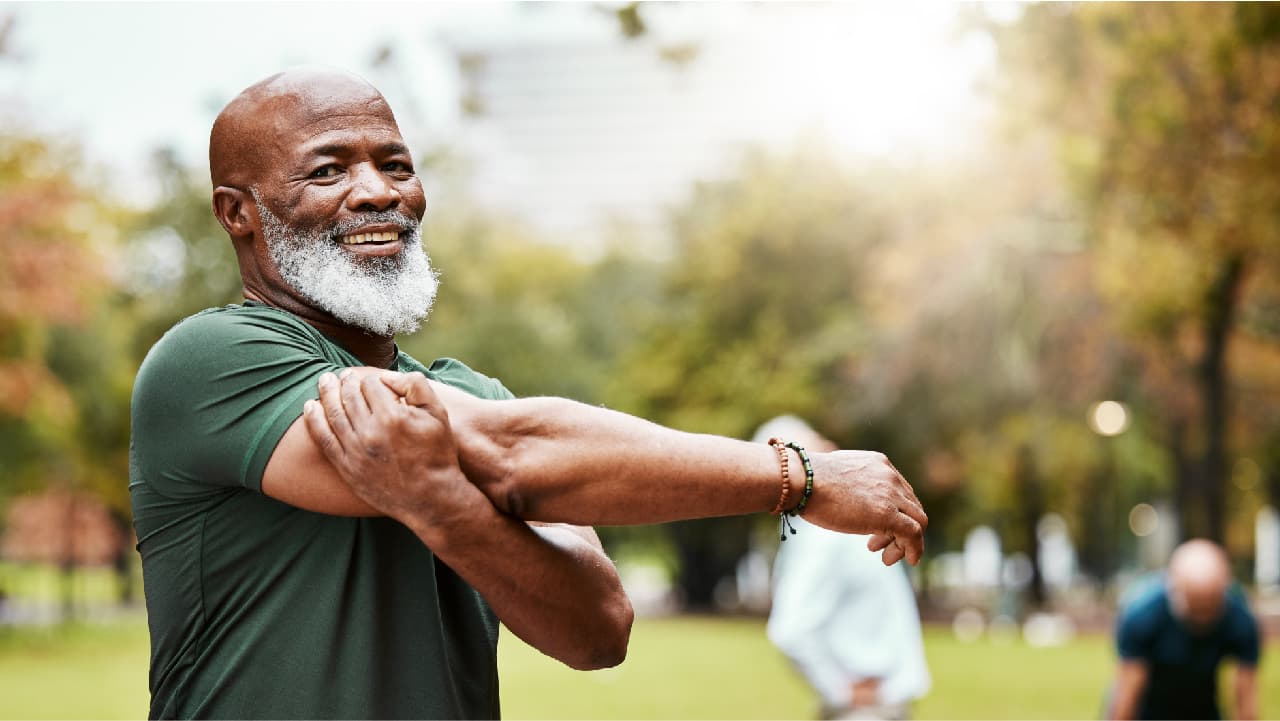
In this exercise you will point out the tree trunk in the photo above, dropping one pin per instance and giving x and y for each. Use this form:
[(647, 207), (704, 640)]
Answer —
[(1220, 310), (708, 550), (122, 563), (1185, 473), (1031, 508)]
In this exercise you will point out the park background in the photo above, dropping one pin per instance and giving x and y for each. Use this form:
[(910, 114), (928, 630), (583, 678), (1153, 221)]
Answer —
[(1028, 251)]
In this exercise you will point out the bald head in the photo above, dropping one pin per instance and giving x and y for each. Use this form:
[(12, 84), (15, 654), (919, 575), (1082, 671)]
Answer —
[(793, 428), (256, 126), (1199, 578)]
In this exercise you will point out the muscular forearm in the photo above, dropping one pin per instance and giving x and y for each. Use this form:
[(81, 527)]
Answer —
[(550, 585), (557, 460)]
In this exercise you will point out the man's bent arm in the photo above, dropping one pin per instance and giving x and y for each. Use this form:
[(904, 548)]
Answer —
[(552, 584), (1246, 692), (1131, 681)]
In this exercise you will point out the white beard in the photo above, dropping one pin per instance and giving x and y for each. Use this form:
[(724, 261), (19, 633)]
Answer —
[(383, 295)]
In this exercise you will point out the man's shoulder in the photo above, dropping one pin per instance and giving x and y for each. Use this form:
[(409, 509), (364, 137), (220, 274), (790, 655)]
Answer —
[(229, 321), (238, 329), (219, 343), (1148, 594), (1147, 608), (454, 372), (1239, 618)]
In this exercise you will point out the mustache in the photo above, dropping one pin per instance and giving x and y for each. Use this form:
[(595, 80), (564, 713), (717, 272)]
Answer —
[(406, 223)]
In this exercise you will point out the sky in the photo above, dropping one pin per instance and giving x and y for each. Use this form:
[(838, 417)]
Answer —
[(126, 78), (123, 79)]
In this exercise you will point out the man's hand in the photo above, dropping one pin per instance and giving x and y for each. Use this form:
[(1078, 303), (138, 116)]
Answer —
[(360, 424), (861, 492)]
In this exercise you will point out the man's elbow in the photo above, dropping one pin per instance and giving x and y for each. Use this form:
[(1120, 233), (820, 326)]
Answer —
[(607, 644)]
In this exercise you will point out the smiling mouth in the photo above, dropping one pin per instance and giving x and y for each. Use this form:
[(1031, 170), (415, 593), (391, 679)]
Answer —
[(362, 238)]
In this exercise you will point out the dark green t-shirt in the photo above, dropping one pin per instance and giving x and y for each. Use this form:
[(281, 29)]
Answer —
[(258, 609)]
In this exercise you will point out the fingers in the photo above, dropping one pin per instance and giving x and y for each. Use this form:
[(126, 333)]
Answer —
[(878, 542), (313, 416), (892, 554), (335, 414), (383, 402), (413, 387), (911, 520), (909, 492), (353, 400), (915, 511), (908, 536), (892, 547)]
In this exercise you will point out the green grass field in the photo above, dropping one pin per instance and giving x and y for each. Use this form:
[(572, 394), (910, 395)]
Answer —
[(688, 667)]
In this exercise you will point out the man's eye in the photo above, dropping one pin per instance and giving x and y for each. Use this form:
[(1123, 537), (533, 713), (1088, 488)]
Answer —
[(397, 167), (327, 171)]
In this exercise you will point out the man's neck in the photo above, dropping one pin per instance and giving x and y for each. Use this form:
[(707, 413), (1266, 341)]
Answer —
[(373, 350)]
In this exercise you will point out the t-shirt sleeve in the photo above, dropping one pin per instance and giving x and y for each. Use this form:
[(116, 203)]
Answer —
[(214, 397), (1134, 633), (1245, 641), (457, 374)]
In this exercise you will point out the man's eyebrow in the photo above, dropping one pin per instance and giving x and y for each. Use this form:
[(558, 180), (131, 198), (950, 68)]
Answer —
[(336, 149)]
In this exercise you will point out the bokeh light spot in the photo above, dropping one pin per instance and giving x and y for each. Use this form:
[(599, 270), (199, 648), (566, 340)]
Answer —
[(1143, 519), (1109, 418)]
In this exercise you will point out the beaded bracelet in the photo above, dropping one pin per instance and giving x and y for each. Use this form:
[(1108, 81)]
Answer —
[(781, 448), (780, 510), (808, 477)]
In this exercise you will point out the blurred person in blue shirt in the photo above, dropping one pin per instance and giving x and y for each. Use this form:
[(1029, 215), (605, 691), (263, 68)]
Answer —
[(848, 622), (1173, 634)]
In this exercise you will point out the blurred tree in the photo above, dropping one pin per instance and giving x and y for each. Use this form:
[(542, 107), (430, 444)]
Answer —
[(64, 378), (178, 260), (532, 314), (1167, 114), (51, 276)]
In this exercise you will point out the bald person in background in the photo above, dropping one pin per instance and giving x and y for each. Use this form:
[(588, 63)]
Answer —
[(330, 528), (1172, 637)]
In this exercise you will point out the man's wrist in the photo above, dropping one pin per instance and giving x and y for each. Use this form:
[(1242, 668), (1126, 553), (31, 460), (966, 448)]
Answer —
[(787, 492), (461, 525), (797, 472)]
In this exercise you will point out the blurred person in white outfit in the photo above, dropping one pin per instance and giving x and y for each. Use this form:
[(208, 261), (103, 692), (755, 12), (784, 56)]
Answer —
[(848, 622)]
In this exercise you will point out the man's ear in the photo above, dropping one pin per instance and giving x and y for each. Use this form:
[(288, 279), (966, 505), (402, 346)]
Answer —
[(231, 207)]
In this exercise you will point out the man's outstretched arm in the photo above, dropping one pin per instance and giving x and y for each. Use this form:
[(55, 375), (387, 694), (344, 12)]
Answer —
[(551, 459), (556, 459)]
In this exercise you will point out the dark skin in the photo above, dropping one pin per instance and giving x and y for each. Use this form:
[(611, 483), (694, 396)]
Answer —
[(459, 470), (272, 137)]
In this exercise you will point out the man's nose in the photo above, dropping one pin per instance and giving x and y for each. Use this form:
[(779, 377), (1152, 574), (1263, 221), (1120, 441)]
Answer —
[(371, 189)]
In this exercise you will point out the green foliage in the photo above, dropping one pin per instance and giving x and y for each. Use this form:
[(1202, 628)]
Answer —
[(58, 238), (1177, 104), (532, 314), (761, 308)]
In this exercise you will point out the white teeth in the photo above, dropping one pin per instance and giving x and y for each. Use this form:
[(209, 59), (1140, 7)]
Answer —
[(358, 238)]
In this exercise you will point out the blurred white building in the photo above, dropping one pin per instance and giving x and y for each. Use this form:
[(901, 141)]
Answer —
[(574, 128)]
